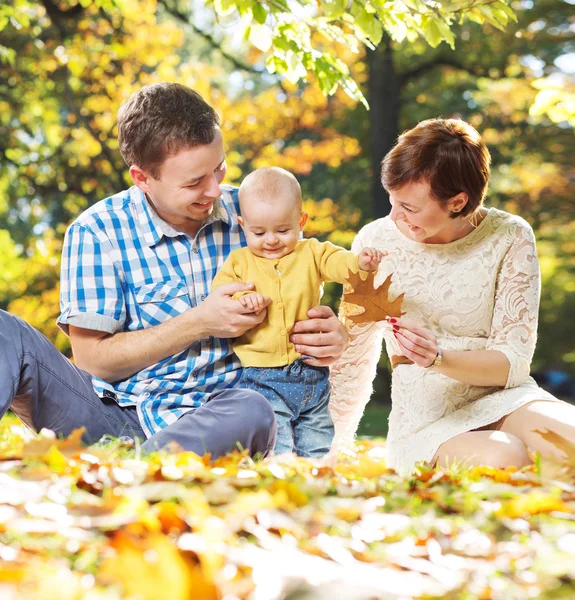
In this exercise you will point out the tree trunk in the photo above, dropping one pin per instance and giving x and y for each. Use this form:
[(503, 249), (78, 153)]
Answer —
[(384, 99)]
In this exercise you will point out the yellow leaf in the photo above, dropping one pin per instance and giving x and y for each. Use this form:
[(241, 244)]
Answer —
[(149, 568), (533, 503)]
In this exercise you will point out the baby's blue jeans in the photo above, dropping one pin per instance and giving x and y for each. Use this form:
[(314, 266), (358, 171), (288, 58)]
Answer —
[(299, 395)]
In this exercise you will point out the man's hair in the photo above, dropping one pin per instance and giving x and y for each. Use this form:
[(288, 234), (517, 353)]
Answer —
[(449, 154), (268, 183), (160, 120)]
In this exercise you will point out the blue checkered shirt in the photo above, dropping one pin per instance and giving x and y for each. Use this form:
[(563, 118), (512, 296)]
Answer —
[(125, 269)]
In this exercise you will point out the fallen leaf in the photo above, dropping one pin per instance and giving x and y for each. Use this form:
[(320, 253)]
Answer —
[(70, 446), (375, 301), (533, 503), (148, 567), (560, 443)]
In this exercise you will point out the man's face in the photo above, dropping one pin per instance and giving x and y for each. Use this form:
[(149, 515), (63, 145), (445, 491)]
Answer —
[(188, 184)]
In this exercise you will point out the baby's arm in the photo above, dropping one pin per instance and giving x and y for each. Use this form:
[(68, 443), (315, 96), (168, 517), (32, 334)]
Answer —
[(253, 301), (369, 258)]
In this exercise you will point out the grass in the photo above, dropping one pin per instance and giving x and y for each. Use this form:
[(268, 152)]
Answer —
[(374, 421)]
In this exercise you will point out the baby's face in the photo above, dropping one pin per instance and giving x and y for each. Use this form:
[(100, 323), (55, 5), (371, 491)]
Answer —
[(272, 230)]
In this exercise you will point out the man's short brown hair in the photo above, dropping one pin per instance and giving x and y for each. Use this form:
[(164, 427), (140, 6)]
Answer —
[(160, 120), (447, 153)]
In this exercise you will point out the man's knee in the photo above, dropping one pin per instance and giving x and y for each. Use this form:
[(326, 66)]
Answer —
[(261, 410)]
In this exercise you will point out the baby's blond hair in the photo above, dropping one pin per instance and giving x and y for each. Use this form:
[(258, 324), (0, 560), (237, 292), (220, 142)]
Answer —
[(268, 184)]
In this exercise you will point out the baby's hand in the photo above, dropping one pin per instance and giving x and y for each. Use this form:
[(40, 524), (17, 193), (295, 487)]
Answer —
[(254, 302), (369, 259)]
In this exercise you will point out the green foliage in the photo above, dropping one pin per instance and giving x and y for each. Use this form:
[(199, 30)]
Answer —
[(293, 35)]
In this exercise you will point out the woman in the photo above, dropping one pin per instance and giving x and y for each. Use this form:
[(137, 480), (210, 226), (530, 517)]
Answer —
[(471, 281)]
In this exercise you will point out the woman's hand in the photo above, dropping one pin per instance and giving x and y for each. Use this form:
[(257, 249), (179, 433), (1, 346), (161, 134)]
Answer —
[(416, 343), (323, 336)]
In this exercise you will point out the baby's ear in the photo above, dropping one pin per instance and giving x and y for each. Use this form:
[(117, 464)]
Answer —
[(241, 222), (303, 220)]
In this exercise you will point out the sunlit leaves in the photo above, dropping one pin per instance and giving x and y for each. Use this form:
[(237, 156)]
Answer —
[(104, 522), (285, 31), (556, 99)]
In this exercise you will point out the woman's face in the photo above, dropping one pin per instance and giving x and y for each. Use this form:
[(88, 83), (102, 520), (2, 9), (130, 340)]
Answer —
[(421, 217)]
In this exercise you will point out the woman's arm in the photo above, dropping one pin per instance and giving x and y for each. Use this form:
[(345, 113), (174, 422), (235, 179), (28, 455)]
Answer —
[(351, 381), (352, 376), (474, 367), (507, 358)]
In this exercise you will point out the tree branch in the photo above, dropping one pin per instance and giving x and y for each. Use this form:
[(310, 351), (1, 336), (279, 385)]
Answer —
[(185, 18), (444, 61)]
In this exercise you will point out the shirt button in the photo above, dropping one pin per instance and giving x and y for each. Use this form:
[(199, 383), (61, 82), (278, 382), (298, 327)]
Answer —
[(147, 395), (280, 305), (195, 249), (194, 373), (283, 332), (202, 297), (284, 357), (276, 280), (163, 295)]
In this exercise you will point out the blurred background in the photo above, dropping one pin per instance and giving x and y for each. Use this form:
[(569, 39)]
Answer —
[(65, 68)]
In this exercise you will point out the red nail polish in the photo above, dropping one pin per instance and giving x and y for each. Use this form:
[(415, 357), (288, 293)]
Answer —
[(395, 328), (392, 320)]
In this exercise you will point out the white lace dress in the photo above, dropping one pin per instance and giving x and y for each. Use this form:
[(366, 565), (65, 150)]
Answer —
[(479, 292)]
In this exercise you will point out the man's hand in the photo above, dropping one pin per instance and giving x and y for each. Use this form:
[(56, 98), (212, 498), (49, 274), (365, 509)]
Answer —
[(323, 336), (224, 317), (369, 259), (254, 302)]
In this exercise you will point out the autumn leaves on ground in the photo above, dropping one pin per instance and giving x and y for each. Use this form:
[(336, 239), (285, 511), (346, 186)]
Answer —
[(105, 522)]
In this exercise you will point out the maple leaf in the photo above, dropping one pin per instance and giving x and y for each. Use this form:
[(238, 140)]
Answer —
[(556, 467), (375, 301)]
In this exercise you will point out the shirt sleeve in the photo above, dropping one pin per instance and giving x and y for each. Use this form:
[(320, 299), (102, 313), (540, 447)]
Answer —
[(91, 294), (352, 376), (229, 272), (333, 262), (516, 307)]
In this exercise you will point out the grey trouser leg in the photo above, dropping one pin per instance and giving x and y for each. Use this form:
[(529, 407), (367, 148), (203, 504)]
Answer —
[(46, 390), (232, 419)]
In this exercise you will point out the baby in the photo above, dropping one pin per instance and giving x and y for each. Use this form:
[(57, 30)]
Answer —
[(289, 271)]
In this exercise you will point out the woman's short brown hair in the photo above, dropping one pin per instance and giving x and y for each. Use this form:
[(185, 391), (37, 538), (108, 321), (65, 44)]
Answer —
[(447, 153), (159, 120)]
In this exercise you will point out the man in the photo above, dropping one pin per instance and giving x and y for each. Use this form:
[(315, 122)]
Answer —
[(149, 339)]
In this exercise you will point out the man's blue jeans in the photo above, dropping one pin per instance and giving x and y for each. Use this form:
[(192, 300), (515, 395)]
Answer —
[(299, 395), (46, 390)]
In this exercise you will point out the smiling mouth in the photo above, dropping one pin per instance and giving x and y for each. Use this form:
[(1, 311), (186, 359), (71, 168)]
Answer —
[(203, 205)]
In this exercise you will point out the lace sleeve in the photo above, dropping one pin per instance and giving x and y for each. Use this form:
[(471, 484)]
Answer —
[(514, 325), (352, 375)]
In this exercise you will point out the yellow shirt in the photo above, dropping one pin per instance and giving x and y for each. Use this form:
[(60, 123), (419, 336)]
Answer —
[(293, 282)]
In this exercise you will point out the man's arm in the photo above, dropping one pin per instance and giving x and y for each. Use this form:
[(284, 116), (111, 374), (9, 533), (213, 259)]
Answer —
[(115, 357)]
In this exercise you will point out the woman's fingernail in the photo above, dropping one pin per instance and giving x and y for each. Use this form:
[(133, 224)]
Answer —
[(392, 320), (395, 328)]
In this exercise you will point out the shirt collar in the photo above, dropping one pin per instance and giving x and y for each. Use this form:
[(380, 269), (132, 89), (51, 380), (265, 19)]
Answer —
[(153, 227)]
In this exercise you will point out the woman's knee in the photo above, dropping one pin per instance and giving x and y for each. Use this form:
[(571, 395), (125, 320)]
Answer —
[(492, 448)]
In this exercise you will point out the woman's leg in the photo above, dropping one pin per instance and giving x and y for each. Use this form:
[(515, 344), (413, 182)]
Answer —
[(558, 417), (493, 448)]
